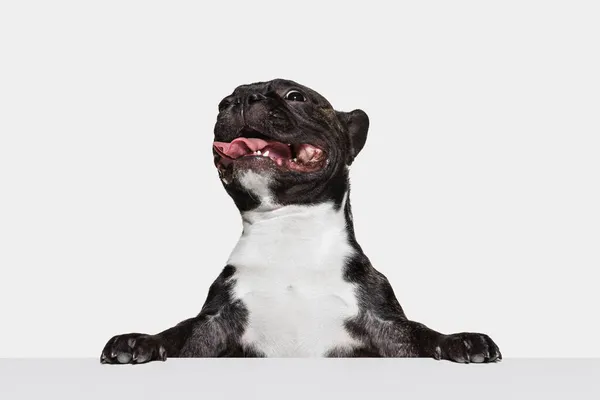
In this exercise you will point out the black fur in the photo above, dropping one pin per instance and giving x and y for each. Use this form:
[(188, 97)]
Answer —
[(381, 327)]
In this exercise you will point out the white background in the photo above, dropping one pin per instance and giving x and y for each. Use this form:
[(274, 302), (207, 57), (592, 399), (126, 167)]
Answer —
[(477, 193)]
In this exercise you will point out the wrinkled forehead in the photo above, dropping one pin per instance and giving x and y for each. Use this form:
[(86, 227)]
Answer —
[(281, 87)]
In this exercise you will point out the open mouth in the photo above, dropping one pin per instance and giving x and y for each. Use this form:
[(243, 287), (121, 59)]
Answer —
[(294, 157)]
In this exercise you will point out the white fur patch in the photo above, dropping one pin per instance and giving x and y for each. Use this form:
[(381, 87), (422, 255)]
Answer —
[(259, 186), (289, 265)]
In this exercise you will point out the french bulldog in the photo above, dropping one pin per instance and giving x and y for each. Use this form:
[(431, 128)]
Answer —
[(297, 284)]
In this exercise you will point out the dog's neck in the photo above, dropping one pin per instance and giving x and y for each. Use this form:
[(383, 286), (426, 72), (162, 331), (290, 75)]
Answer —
[(295, 236)]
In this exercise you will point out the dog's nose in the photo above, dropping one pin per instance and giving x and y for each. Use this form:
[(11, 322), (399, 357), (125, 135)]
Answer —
[(254, 97)]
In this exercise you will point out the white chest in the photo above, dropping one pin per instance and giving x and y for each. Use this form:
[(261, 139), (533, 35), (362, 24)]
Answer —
[(289, 274)]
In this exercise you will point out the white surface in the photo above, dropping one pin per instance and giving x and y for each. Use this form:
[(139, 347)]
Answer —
[(301, 379), (476, 194)]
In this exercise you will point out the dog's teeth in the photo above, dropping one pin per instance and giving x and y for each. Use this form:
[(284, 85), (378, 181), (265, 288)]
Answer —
[(266, 153), (258, 152), (294, 159)]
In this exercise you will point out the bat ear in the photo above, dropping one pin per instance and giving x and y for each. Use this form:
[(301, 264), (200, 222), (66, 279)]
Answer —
[(357, 125)]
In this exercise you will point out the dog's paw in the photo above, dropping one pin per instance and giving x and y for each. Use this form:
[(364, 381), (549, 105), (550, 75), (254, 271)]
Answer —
[(468, 348), (133, 348)]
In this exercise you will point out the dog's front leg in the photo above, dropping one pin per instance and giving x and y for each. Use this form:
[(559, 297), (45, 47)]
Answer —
[(202, 336), (414, 339), (404, 338), (212, 333)]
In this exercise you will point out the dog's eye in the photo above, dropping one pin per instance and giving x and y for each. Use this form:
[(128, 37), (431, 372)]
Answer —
[(294, 95)]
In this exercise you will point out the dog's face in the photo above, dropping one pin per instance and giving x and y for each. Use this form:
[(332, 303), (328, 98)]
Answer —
[(282, 143)]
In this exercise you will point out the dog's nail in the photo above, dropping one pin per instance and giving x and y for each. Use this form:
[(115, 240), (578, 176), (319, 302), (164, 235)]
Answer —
[(124, 358), (478, 358), (162, 353), (141, 358), (131, 342)]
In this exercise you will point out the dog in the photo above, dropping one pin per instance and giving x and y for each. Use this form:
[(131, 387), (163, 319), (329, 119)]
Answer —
[(297, 283)]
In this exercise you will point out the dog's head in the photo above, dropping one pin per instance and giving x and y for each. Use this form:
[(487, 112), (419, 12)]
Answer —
[(280, 143)]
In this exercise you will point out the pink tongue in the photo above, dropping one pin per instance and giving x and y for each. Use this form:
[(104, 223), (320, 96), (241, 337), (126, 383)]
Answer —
[(239, 147)]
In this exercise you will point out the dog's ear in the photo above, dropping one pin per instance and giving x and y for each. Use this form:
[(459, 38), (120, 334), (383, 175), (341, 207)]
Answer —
[(357, 125)]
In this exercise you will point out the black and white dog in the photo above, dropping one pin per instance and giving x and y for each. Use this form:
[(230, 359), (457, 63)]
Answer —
[(297, 283)]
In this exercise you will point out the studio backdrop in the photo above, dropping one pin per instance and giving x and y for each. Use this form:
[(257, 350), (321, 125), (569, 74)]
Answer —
[(476, 193)]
